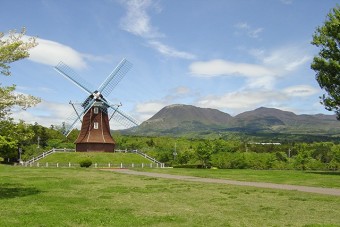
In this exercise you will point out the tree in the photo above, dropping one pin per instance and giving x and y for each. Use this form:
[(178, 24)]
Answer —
[(327, 63), (12, 136), (9, 99), (204, 151), (13, 47)]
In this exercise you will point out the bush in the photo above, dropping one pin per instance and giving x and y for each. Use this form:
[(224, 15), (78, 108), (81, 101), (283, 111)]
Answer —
[(191, 166), (85, 163)]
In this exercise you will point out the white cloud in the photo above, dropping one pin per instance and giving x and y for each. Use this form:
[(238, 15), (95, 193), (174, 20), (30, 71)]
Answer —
[(220, 67), (256, 75), (300, 91), (244, 27), (182, 90), (271, 65), (241, 100), (150, 107), (169, 51), (287, 2), (45, 113), (286, 58), (147, 109), (137, 20), (283, 59), (51, 53)]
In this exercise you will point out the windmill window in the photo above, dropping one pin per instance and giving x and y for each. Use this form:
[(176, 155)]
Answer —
[(95, 125), (95, 110)]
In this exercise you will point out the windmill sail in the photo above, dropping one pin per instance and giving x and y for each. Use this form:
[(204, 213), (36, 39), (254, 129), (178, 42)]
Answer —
[(75, 118), (122, 118), (115, 77), (69, 74)]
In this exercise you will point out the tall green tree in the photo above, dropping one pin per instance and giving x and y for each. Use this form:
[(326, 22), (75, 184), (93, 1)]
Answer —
[(13, 47), (9, 98), (327, 63), (13, 136)]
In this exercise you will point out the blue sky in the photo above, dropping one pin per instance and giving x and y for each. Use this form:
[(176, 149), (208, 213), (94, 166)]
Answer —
[(231, 55)]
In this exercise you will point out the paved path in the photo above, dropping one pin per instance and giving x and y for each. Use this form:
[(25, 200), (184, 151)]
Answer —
[(325, 191)]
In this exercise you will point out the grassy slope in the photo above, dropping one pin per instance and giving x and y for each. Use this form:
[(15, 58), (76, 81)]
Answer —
[(306, 178), (90, 197), (95, 157)]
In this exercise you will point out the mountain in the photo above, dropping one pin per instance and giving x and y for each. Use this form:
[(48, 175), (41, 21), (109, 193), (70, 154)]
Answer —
[(275, 120), (180, 117), (188, 120)]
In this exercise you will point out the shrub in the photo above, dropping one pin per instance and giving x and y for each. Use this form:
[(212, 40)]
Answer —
[(85, 163)]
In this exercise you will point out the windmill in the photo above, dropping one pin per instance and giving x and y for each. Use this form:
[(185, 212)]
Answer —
[(95, 112)]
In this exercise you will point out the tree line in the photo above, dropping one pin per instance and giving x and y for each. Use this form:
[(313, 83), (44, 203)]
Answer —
[(235, 154), (33, 139)]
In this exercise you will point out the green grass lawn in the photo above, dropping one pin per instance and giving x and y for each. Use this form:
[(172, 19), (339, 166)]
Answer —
[(306, 178), (95, 157), (91, 197)]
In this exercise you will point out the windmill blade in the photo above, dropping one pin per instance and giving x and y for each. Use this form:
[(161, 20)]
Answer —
[(69, 74), (122, 118), (115, 77), (76, 117), (119, 116)]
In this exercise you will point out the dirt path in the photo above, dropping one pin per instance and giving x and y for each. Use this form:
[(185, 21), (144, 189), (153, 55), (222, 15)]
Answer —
[(325, 191)]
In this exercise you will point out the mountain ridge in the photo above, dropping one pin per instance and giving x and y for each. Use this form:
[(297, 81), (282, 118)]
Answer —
[(181, 119)]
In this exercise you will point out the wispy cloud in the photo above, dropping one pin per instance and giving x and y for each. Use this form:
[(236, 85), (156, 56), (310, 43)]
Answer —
[(283, 59), (256, 75), (181, 90), (220, 67), (270, 66), (244, 27), (300, 91), (239, 101), (169, 51), (287, 2), (138, 22), (45, 113), (147, 109)]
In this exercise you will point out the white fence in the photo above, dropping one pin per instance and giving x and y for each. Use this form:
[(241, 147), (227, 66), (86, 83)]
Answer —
[(97, 165), (141, 154), (33, 161), (44, 154)]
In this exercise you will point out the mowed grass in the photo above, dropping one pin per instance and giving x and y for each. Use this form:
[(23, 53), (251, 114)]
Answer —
[(92, 197), (327, 179), (95, 157)]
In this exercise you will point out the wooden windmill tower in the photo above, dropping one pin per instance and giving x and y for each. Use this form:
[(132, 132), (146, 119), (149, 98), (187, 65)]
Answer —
[(95, 112)]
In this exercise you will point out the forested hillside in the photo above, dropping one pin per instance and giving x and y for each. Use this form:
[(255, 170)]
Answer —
[(184, 152), (259, 124)]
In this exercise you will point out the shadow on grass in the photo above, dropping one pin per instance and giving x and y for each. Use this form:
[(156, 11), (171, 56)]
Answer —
[(325, 172), (8, 191)]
